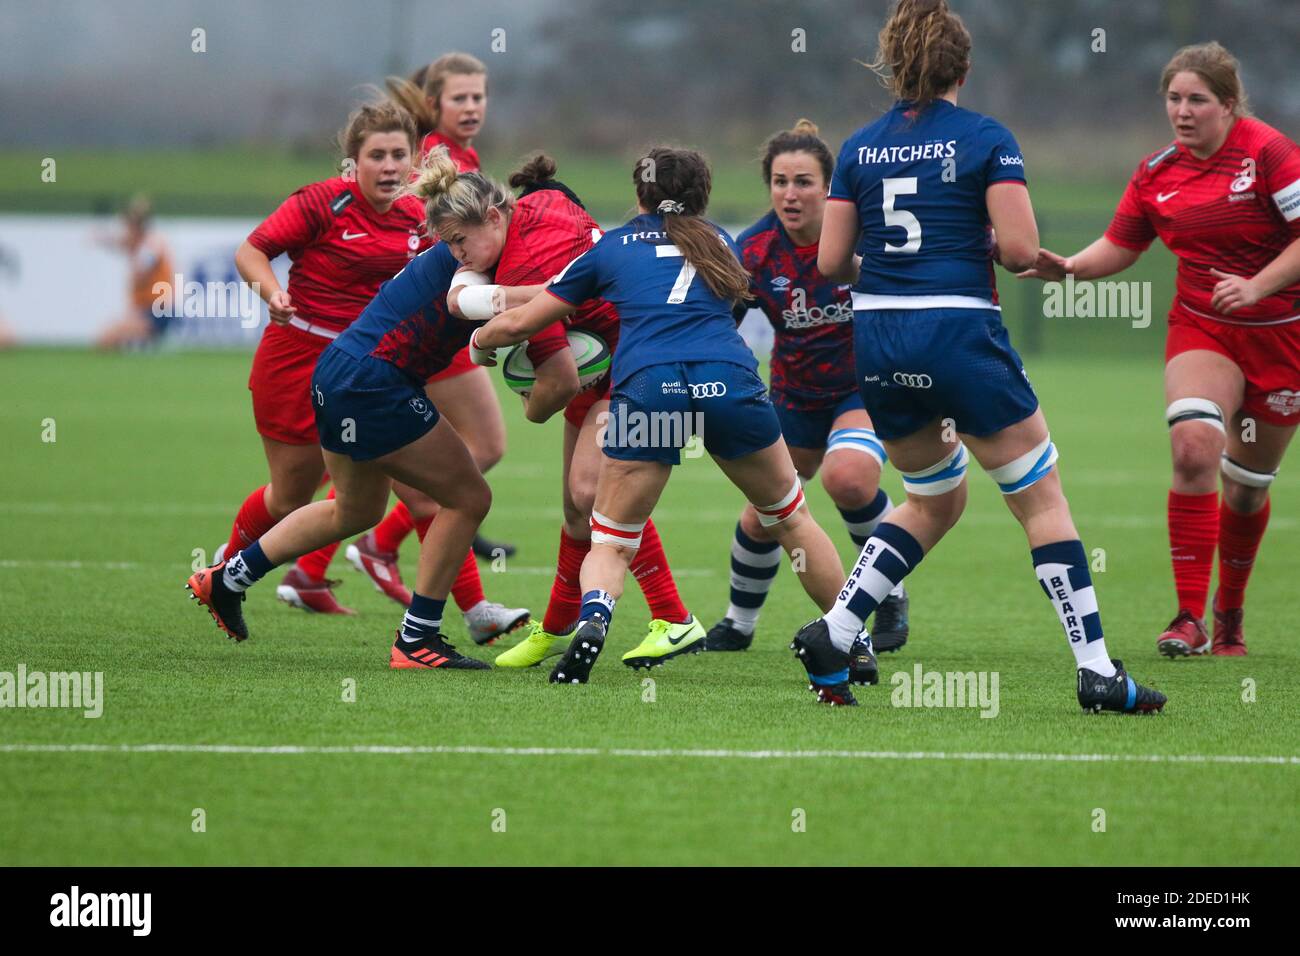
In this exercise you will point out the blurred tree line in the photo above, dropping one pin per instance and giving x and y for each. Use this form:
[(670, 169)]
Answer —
[(614, 73)]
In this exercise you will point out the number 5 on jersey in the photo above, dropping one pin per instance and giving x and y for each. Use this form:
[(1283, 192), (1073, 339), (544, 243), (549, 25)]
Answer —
[(687, 275), (890, 190)]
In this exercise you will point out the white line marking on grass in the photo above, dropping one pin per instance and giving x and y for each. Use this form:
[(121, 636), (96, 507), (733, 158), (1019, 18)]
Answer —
[(14, 564), (974, 756)]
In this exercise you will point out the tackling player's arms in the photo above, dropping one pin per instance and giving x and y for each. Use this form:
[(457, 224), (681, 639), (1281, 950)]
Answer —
[(516, 324)]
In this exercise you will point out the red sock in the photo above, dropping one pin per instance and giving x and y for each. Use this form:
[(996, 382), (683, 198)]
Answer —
[(467, 589), (421, 527), (566, 593), (315, 565), (251, 523), (650, 568), (397, 524), (1193, 533), (1239, 537)]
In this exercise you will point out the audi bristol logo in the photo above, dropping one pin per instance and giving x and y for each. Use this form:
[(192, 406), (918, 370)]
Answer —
[(913, 380), (709, 390)]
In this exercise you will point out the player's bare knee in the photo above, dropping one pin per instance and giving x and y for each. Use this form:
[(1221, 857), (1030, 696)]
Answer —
[(851, 484), (1196, 438), (582, 497)]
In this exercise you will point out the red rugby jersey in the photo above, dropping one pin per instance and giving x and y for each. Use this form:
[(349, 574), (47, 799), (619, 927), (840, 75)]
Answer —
[(547, 231), (465, 157), (1235, 212), (341, 249)]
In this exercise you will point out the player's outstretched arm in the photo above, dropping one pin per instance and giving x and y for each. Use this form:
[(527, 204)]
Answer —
[(515, 325), (1102, 258)]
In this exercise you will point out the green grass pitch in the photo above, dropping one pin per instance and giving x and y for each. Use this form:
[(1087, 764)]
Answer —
[(154, 452)]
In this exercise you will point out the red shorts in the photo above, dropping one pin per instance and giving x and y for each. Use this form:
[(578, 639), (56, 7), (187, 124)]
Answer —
[(459, 366), (575, 413), (1268, 356), (281, 384)]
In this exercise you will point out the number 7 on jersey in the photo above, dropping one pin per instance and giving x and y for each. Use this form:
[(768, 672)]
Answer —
[(684, 278)]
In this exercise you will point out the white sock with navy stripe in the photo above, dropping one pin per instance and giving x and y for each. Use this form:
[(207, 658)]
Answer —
[(597, 605), (862, 522), (889, 556), (423, 618), (1062, 570), (754, 565)]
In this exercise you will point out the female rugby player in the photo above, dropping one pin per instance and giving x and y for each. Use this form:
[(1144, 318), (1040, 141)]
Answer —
[(344, 236), (814, 390), (1224, 197), (919, 189), (526, 241), (448, 100), (674, 279), (379, 432)]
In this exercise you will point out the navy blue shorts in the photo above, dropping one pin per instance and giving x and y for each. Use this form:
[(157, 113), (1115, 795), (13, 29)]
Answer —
[(655, 411), (810, 429), (916, 365), (366, 407)]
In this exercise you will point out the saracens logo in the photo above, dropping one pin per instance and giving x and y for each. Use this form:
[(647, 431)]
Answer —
[(1284, 402), (913, 379), (708, 389)]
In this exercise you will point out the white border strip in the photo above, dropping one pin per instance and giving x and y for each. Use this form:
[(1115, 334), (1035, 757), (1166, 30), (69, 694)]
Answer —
[(976, 756)]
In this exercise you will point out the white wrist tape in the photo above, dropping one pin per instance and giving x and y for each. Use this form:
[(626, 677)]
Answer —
[(478, 303)]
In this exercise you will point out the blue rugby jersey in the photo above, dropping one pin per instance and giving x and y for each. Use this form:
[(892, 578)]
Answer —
[(407, 322), (666, 312), (812, 354), (918, 181)]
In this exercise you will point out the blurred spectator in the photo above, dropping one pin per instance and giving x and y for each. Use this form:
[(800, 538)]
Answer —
[(149, 306)]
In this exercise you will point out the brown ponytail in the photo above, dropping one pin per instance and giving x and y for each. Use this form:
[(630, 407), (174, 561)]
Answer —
[(923, 51), (537, 170), (681, 176)]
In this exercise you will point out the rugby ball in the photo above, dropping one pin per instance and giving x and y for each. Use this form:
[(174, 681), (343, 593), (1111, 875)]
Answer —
[(590, 353)]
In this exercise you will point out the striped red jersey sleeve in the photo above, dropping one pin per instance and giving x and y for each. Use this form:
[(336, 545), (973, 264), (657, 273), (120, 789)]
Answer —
[(1279, 175), (299, 221), (1130, 227)]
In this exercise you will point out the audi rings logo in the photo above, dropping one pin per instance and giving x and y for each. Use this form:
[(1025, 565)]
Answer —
[(709, 390), (913, 380)]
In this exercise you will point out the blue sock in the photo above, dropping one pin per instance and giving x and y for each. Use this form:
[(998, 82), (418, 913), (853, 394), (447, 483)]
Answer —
[(597, 604), (862, 522), (754, 565), (889, 556), (246, 568), (423, 618)]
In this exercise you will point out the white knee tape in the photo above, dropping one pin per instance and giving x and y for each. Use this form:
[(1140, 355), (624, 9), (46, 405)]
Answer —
[(857, 439), (605, 531), (1195, 410), (1243, 475), (1016, 476), (769, 515), (939, 478)]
